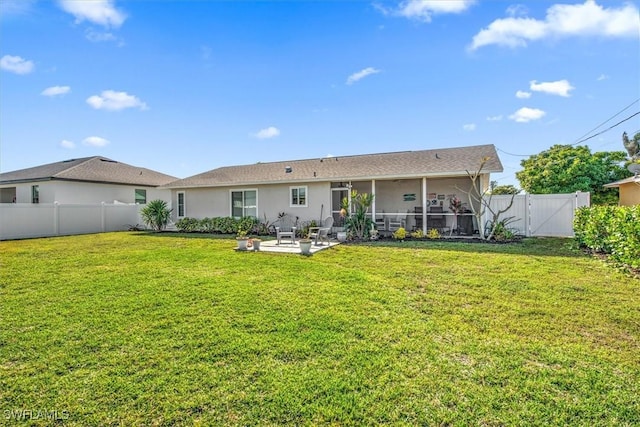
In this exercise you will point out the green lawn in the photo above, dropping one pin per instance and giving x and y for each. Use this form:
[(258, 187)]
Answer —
[(145, 329)]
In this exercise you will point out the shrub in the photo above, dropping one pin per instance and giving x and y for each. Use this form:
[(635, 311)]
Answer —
[(613, 230), (433, 234), (400, 234), (418, 234), (156, 214), (188, 225)]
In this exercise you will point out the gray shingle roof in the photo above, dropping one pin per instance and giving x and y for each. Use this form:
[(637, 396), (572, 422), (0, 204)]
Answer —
[(89, 169), (405, 164)]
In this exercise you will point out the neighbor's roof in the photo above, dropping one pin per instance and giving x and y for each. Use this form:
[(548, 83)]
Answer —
[(89, 169), (623, 181), (406, 164)]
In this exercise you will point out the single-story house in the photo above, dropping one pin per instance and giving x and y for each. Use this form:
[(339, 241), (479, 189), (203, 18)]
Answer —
[(406, 186), (629, 190), (86, 180)]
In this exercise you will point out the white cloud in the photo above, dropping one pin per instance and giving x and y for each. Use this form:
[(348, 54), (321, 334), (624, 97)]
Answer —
[(56, 90), (602, 77), (361, 75), (95, 141), (67, 144), (562, 20), (560, 87), (526, 114), (424, 9), (101, 12), (469, 127), (517, 10), (266, 133), (16, 64), (114, 101), (523, 95), (494, 118), (15, 7), (96, 36)]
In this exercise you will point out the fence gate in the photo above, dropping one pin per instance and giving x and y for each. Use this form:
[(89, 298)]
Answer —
[(538, 215)]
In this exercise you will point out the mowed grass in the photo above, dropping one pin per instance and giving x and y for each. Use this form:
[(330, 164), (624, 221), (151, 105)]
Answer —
[(146, 329)]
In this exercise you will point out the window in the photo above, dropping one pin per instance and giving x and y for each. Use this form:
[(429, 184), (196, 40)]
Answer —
[(181, 205), (35, 194), (141, 196), (244, 203), (298, 196)]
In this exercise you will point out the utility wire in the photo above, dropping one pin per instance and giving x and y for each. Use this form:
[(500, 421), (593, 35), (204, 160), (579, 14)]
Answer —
[(607, 129), (602, 124)]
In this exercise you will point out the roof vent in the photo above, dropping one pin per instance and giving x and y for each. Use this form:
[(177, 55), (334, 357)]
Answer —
[(288, 169)]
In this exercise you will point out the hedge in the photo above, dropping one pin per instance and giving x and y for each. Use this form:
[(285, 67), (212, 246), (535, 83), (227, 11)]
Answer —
[(221, 225), (612, 230)]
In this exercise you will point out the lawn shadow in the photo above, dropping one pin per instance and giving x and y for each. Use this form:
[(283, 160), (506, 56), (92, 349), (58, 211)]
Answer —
[(540, 246)]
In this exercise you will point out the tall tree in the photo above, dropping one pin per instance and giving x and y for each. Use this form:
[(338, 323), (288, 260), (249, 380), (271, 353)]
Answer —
[(566, 169), (500, 190)]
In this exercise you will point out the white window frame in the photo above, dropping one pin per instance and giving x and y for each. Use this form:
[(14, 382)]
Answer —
[(135, 196), (306, 196), (35, 194), (244, 207), (184, 204)]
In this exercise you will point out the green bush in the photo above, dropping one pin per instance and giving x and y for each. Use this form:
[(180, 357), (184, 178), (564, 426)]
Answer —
[(400, 234), (188, 225), (613, 230)]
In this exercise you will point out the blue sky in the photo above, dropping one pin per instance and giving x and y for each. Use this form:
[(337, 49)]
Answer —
[(183, 87)]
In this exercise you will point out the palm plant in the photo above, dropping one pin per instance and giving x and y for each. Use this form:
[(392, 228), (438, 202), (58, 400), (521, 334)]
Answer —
[(156, 214), (357, 221)]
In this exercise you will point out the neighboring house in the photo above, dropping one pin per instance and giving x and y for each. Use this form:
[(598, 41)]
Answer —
[(82, 181), (404, 184), (629, 190)]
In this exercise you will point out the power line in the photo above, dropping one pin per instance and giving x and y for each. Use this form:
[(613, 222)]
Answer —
[(610, 118), (607, 129)]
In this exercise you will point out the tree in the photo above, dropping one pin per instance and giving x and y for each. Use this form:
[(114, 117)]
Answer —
[(481, 204), (156, 214), (567, 169), (499, 190)]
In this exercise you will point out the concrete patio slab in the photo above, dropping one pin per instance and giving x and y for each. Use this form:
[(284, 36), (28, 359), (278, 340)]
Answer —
[(289, 248)]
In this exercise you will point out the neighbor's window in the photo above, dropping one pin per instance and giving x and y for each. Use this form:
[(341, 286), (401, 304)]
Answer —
[(181, 205), (244, 203), (35, 194), (298, 196), (141, 196)]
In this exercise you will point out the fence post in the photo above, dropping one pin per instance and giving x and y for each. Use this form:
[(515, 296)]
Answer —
[(527, 214), (103, 217), (56, 218)]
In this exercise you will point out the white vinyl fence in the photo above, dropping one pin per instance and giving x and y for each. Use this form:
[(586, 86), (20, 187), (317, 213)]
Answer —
[(26, 220), (542, 214)]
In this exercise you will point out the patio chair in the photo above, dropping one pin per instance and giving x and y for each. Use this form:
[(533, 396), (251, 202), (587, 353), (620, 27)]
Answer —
[(439, 222), (418, 211), (321, 233), (397, 222), (286, 230)]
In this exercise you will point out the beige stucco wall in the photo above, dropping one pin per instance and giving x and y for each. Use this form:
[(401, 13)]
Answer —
[(271, 200), (70, 192), (630, 194)]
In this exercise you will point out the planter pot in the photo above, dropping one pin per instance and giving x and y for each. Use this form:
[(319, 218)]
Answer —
[(256, 244), (342, 236), (242, 244), (305, 247)]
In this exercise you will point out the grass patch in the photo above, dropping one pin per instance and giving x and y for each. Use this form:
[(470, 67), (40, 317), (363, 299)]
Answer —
[(143, 329)]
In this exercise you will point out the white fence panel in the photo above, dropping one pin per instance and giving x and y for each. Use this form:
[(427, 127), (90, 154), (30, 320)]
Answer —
[(542, 214), (79, 219), (26, 220)]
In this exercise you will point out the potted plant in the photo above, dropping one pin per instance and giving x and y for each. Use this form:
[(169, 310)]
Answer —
[(243, 240), (305, 245), (256, 243)]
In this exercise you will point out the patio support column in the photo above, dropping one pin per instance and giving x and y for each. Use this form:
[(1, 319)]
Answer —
[(373, 204), (424, 204)]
